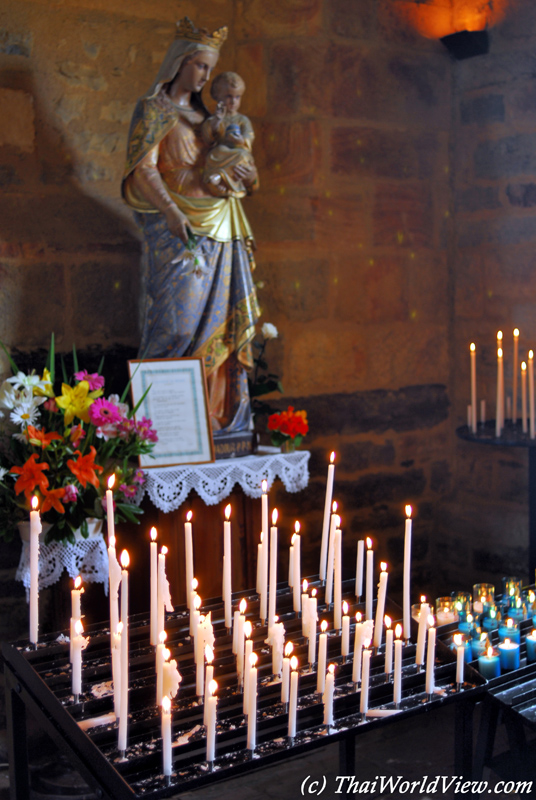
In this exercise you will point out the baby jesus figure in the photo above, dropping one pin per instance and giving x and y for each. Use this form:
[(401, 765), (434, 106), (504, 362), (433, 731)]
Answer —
[(230, 136)]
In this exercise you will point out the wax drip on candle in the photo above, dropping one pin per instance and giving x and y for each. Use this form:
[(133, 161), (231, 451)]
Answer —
[(253, 659), (197, 602), (195, 584)]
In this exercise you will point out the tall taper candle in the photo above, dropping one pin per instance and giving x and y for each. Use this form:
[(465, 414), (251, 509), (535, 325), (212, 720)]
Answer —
[(110, 508), (273, 569), (293, 702), (365, 678), (369, 580), (531, 395), (154, 586), (123, 713), (514, 373), (500, 392), (188, 555), (327, 511), (313, 617), (345, 635), (252, 708), (406, 611), (329, 690), (380, 605), (473, 387), (296, 563), (265, 545), (388, 646), (330, 565), (337, 576), (322, 657), (78, 645), (227, 584), (397, 679), (421, 632), (358, 644), (212, 709), (524, 425), (35, 530), (166, 736), (285, 675), (460, 658), (430, 657), (359, 569)]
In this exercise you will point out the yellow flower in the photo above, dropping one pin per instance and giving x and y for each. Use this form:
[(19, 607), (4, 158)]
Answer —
[(45, 389), (75, 401)]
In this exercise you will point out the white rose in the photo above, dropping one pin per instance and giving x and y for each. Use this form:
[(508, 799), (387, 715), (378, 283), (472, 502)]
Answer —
[(269, 331)]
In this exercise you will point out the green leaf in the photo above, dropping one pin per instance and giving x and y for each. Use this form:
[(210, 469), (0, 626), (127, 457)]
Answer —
[(75, 359), (12, 364)]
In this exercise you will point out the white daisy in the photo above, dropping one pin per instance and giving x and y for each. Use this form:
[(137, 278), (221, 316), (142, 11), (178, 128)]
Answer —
[(24, 415)]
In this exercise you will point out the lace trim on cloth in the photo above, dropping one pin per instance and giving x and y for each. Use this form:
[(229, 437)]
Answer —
[(169, 487), (88, 558)]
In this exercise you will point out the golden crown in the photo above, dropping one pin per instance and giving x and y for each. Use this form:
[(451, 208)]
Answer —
[(187, 30)]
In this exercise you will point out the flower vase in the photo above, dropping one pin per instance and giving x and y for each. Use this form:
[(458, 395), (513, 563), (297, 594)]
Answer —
[(288, 446)]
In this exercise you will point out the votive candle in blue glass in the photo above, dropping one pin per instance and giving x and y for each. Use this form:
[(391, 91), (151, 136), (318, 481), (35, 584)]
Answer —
[(467, 625), (490, 622), (489, 665), (509, 655), (509, 631), (530, 642), (462, 604), (479, 646)]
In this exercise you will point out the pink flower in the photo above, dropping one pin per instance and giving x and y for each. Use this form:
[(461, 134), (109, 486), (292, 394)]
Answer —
[(76, 435), (50, 405), (95, 380), (145, 431), (102, 412), (71, 494), (128, 491), (139, 477)]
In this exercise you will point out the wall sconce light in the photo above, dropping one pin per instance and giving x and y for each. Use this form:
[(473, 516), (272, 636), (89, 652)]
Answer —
[(466, 44)]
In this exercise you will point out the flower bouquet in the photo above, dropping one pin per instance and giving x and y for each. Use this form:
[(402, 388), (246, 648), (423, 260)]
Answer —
[(288, 428), (62, 443)]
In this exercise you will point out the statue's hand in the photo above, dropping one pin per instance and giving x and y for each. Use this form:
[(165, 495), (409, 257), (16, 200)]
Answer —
[(246, 173), (220, 111), (177, 223)]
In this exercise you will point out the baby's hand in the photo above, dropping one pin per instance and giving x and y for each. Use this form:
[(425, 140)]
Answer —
[(220, 111)]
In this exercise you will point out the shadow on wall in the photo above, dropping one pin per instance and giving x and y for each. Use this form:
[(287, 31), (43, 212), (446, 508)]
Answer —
[(68, 263)]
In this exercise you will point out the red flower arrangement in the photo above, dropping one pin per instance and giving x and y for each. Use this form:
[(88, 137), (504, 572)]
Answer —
[(288, 426)]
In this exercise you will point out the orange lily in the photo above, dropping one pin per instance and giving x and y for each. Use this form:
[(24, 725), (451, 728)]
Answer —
[(38, 436), (52, 499), (31, 476), (84, 468)]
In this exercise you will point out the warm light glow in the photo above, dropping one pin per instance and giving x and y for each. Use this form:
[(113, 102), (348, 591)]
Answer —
[(162, 636), (78, 627), (331, 668), (489, 651), (304, 586), (119, 628), (469, 618), (358, 616), (457, 639), (531, 355), (274, 517), (313, 593), (293, 539), (523, 366), (437, 18), (253, 659), (209, 654), (228, 512), (125, 559), (369, 543), (153, 534), (516, 332), (398, 631), (264, 485), (294, 663), (212, 687), (383, 566), (408, 511), (112, 541), (509, 623), (499, 336), (332, 457), (334, 507), (166, 653), (366, 643), (189, 516), (472, 347), (506, 641), (262, 536), (166, 704), (243, 605), (195, 584), (431, 620), (164, 550), (248, 629), (197, 602), (297, 527), (423, 598), (78, 582), (324, 625), (289, 647), (387, 621), (111, 481), (35, 502), (345, 608), (499, 353)]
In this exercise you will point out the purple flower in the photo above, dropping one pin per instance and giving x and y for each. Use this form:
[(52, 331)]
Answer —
[(128, 491), (145, 431), (95, 380), (71, 494), (139, 477), (102, 412)]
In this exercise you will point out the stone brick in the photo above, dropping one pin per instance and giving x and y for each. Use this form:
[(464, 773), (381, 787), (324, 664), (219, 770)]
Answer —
[(284, 153), (17, 120), (522, 194), (502, 231), (82, 75), (370, 490), (427, 286), (250, 64), (351, 19), (105, 299), (414, 24), (478, 198), (300, 79), (496, 71), (34, 282), (385, 290), (105, 143), (276, 218), (69, 108), (283, 18), (366, 152), (16, 44), (342, 218), (522, 100), (366, 454), (506, 157), (409, 408), (296, 290), (319, 358), (440, 476), (482, 110), (506, 561), (9, 177), (403, 215)]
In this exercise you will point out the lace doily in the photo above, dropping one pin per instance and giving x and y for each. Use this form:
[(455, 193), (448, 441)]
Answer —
[(87, 558), (168, 487)]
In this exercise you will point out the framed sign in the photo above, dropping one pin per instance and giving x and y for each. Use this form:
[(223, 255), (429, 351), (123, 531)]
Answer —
[(172, 392)]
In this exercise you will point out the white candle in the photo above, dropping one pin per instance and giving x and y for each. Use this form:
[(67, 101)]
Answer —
[(345, 637), (123, 713), (380, 605), (369, 580), (524, 396), (247, 660), (263, 605), (78, 645), (116, 667), (365, 677), (110, 508), (153, 548), (460, 658), (305, 607), (359, 569), (358, 644), (500, 394), (313, 617), (114, 580), (514, 375), (330, 565), (327, 697), (397, 678), (209, 676), (421, 633), (293, 703), (285, 675), (188, 555), (483, 412), (273, 569), (406, 610), (194, 617), (322, 657), (531, 394), (325, 523), (265, 542), (166, 736), (297, 568), (337, 575), (264, 507), (430, 657), (473, 386), (160, 658), (162, 590), (200, 658), (75, 608), (291, 561), (227, 584), (212, 710), (240, 641), (35, 530), (388, 646), (259, 566), (252, 707)]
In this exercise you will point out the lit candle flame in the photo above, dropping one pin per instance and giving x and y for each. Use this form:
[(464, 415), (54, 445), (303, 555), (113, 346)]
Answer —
[(509, 623), (153, 534), (212, 687), (228, 512), (507, 641), (274, 517), (248, 629), (524, 366), (358, 616), (264, 485), (112, 541), (111, 481), (35, 502), (383, 566), (531, 354), (369, 543), (366, 643), (304, 586), (516, 332), (289, 647), (125, 559), (166, 653), (423, 598), (297, 527), (313, 593), (162, 636), (472, 347), (431, 620), (119, 628), (164, 550), (253, 659), (195, 584), (197, 602), (324, 625), (78, 627), (387, 621), (189, 516), (332, 457), (398, 631), (489, 651), (243, 605), (408, 511), (209, 654), (457, 639), (345, 608), (334, 507), (293, 539), (262, 536), (78, 582), (499, 353), (294, 663), (331, 668), (499, 336), (166, 704)]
